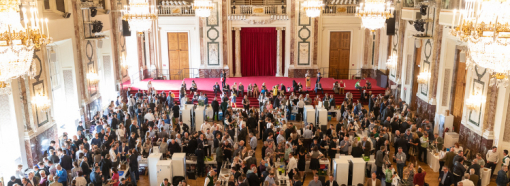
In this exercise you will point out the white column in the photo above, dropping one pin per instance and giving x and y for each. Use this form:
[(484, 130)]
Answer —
[(278, 52), (238, 52)]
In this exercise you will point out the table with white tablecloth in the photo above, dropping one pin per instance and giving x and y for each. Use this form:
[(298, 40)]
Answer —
[(433, 161), (486, 176), (209, 112)]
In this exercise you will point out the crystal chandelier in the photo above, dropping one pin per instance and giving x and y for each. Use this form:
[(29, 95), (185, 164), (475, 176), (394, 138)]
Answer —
[(42, 102), (485, 26), (93, 78), (313, 8), (373, 13), (392, 62), (19, 41), (139, 15), (203, 8), (474, 102), (423, 77)]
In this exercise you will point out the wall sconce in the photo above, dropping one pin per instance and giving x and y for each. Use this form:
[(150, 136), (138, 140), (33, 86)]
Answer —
[(423, 77), (474, 102), (92, 77), (42, 102), (123, 61), (392, 62)]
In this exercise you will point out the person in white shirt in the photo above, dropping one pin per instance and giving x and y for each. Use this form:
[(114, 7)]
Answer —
[(269, 124), (205, 126), (492, 159), (149, 116), (209, 177), (253, 141), (301, 105), (466, 181), (292, 163), (114, 155)]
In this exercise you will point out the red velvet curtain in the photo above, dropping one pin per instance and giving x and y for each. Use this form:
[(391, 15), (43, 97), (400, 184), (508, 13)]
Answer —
[(258, 51)]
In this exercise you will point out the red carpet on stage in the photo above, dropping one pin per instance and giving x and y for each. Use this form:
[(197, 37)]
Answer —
[(206, 85)]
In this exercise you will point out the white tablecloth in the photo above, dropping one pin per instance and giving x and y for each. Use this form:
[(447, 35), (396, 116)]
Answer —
[(486, 176), (212, 162), (433, 161), (209, 112), (337, 113)]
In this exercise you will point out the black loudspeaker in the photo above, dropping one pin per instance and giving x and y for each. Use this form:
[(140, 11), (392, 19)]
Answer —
[(125, 28), (390, 26)]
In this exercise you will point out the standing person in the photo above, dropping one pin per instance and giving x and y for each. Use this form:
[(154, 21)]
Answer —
[(379, 161), (133, 164), (419, 178), (458, 170), (307, 76), (216, 108), (445, 177), (95, 177), (223, 79), (315, 154), (115, 177), (373, 181), (492, 159), (424, 140), (318, 77), (246, 103), (401, 161), (62, 174), (302, 163), (502, 179)]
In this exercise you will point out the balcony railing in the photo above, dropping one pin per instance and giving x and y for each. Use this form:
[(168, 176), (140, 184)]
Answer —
[(258, 10), (344, 9), (175, 10)]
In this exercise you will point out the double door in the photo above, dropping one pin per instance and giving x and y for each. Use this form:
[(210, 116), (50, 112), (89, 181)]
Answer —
[(178, 55)]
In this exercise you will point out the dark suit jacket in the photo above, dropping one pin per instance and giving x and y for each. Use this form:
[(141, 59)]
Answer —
[(448, 159), (334, 183), (66, 162), (253, 179), (475, 178), (449, 179), (368, 182), (95, 179), (368, 147)]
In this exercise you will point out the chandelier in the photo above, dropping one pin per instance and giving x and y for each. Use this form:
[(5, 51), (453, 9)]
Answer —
[(19, 41), (373, 13), (203, 8), (423, 77), (139, 15), (313, 8), (485, 26), (474, 102), (5, 87), (42, 102), (93, 78), (392, 62)]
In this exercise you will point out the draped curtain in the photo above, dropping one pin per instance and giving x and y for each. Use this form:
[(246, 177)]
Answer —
[(258, 51)]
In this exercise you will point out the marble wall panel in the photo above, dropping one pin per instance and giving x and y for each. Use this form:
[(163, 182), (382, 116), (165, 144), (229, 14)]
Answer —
[(292, 31), (212, 73), (40, 143), (315, 39), (473, 141), (300, 73), (425, 110)]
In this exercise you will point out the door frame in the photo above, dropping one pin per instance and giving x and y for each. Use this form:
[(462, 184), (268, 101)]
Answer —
[(168, 54), (350, 52), (323, 56)]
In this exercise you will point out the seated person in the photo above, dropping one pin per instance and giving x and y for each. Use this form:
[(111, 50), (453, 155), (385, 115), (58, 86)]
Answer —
[(357, 85), (193, 87), (368, 85), (318, 87)]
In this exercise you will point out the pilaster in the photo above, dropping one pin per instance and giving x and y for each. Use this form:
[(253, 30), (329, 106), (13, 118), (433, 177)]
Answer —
[(278, 52), (238, 52)]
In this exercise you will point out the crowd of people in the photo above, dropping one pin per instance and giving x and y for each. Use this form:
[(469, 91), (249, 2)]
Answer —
[(129, 129)]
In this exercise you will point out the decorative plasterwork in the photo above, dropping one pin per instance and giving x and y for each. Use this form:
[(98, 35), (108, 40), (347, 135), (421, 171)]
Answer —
[(478, 87), (259, 22)]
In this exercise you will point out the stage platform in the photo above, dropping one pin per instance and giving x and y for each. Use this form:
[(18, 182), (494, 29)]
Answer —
[(205, 85)]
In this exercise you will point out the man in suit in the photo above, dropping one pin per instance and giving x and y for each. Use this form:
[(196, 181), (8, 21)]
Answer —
[(318, 86), (216, 108), (473, 177), (252, 177), (476, 167), (366, 146), (445, 177), (283, 89), (439, 141), (240, 89), (373, 181), (331, 181), (332, 102), (133, 166), (216, 89), (65, 161), (379, 160)]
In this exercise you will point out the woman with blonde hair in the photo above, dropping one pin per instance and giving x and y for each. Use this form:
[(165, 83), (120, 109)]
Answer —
[(409, 172), (414, 148)]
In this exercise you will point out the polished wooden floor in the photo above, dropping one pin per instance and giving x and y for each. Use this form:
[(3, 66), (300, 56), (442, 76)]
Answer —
[(431, 177)]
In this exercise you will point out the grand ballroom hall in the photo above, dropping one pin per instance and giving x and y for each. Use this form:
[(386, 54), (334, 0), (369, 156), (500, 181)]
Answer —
[(254, 92)]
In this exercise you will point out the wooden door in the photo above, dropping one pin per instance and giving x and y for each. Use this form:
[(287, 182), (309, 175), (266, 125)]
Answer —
[(416, 71), (339, 52), (458, 97), (178, 55)]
